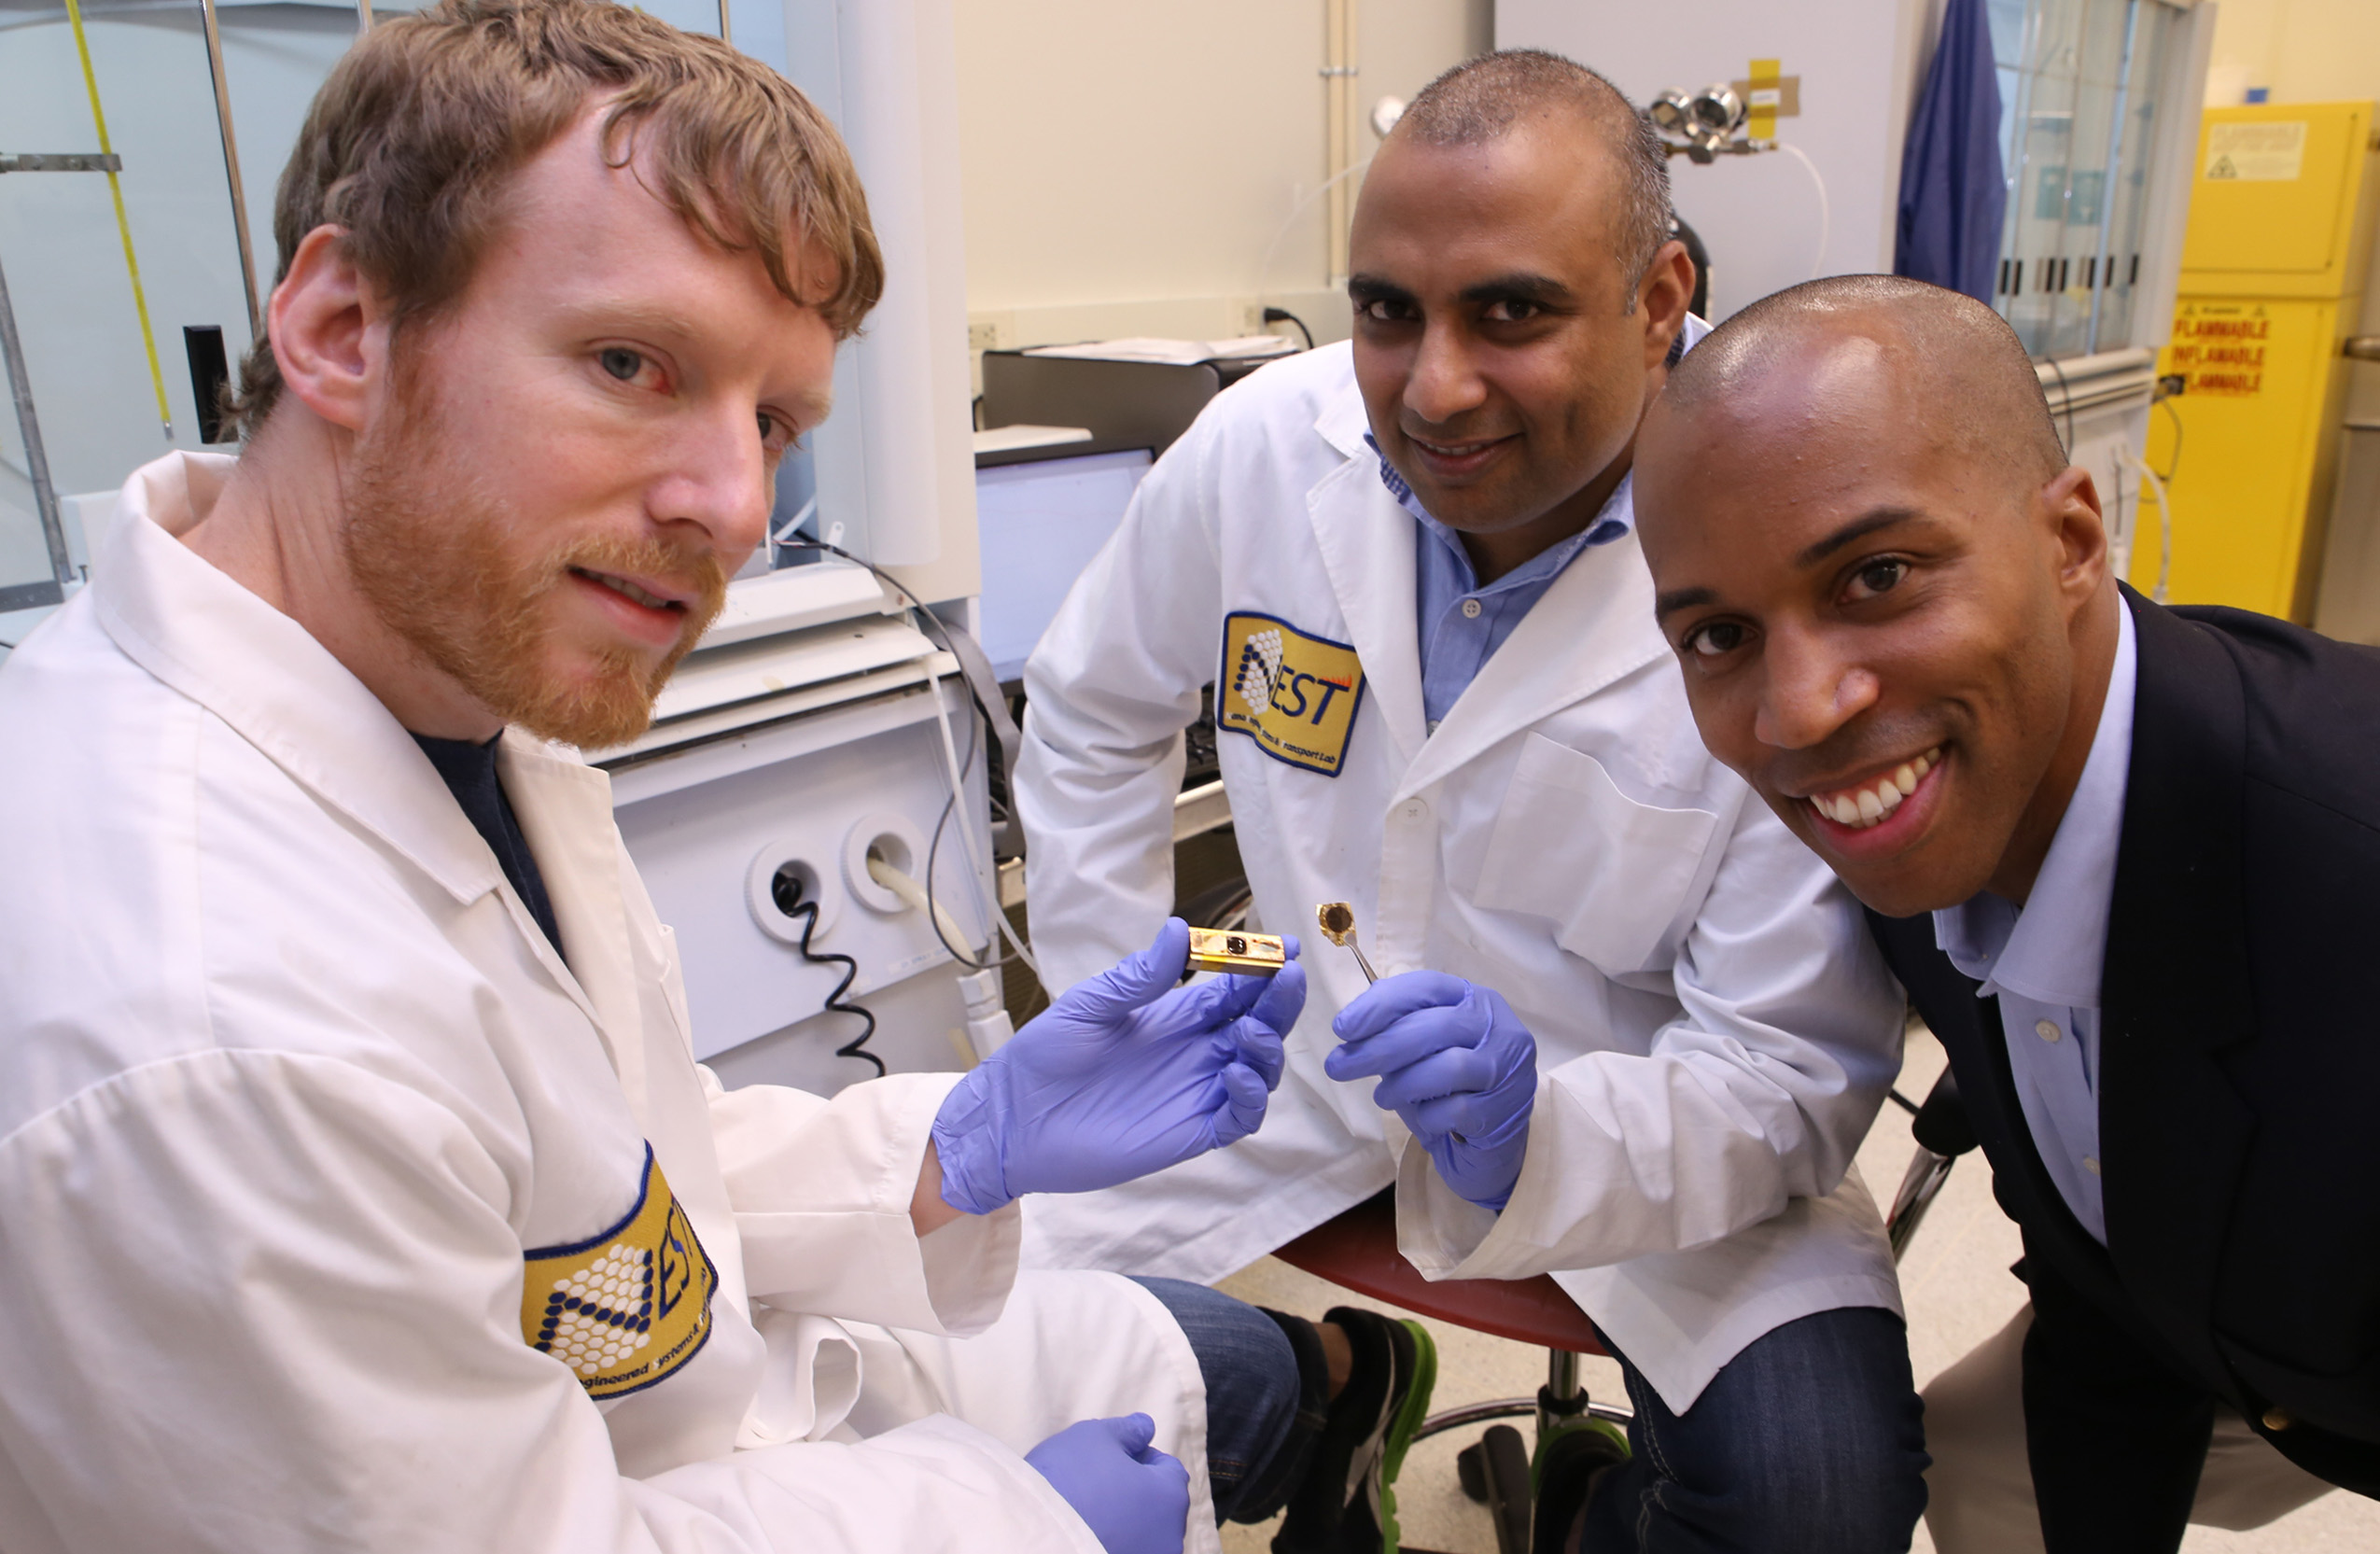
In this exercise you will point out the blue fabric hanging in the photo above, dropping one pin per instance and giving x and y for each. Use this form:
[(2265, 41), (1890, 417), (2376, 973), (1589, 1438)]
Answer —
[(1953, 190)]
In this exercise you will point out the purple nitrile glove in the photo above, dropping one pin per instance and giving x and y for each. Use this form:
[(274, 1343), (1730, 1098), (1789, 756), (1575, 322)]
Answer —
[(1456, 1063), (1126, 1074), (1135, 1498)]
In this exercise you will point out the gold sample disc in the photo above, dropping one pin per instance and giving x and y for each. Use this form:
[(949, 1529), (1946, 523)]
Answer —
[(1337, 919)]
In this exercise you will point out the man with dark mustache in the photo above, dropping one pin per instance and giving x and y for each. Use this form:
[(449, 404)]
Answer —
[(1629, 1032)]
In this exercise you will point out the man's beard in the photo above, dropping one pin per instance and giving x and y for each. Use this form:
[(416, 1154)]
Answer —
[(423, 543)]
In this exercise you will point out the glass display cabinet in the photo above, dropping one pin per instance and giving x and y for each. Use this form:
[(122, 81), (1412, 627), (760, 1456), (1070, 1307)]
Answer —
[(2086, 88)]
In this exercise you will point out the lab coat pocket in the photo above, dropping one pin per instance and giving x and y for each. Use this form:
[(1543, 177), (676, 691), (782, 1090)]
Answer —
[(1612, 874), (808, 1383)]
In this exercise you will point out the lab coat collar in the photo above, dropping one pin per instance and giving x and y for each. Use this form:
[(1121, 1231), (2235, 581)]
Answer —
[(1592, 628), (1344, 423), (1367, 544), (565, 809), (270, 682)]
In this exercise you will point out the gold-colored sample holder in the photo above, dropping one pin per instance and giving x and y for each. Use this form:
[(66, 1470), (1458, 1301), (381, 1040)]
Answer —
[(1215, 949)]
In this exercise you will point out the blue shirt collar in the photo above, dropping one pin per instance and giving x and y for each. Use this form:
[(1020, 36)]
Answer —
[(2053, 951), (1609, 524)]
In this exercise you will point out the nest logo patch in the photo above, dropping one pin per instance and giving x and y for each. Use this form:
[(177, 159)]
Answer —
[(1295, 695), (623, 1309)]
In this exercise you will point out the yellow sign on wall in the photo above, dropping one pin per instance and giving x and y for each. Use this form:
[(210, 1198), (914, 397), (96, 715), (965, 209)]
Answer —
[(2219, 348), (2256, 376)]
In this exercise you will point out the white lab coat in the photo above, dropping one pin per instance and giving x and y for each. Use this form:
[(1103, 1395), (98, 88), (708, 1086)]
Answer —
[(1715, 1030), (290, 1084)]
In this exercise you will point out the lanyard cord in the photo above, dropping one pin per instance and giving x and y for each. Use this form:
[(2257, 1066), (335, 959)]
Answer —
[(123, 226)]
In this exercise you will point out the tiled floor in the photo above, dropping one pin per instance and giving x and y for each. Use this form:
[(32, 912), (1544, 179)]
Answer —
[(1955, 1283)]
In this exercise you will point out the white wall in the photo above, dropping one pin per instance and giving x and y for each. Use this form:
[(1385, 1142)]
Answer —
[(1126, 166), (1859, 62), (2304, 51)]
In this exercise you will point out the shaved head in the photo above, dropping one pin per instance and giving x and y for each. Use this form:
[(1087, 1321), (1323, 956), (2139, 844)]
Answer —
[(1486, 99), (1962, 378), (1890, 594)]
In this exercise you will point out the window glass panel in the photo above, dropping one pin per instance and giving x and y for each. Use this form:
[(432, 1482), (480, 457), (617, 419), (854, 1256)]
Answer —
[(2129, 207), (693, 16), (2079, 105), (90, 369), (85, 357)]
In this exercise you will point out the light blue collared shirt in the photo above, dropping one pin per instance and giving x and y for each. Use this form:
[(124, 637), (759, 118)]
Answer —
[(1461, 623), (2044, 961)]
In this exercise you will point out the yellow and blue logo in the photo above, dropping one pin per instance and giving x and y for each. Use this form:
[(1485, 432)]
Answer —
[(1295, 695), (624, 1309)]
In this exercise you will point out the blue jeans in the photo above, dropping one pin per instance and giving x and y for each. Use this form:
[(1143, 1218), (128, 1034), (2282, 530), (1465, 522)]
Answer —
[(1810, 1441), (1266, 1392)]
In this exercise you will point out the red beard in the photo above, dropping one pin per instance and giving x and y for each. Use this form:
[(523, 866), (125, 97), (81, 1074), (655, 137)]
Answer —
[(425, 544)]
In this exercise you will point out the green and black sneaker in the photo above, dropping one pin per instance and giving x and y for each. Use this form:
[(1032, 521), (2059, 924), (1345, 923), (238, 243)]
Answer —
[(1574, 1454), (1347, 1502)]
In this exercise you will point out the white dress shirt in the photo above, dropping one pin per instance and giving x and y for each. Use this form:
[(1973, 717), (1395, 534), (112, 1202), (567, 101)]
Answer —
[(2043, 960)]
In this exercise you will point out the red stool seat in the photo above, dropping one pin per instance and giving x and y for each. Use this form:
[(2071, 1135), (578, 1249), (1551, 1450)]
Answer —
[(1358, 1252)]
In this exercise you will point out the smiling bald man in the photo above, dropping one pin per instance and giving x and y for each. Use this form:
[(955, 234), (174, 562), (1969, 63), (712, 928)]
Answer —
[(2121, 858)]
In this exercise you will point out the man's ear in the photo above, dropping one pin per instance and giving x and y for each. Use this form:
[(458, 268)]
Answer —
[(1662, 296), (2070, 503), (328, 331)]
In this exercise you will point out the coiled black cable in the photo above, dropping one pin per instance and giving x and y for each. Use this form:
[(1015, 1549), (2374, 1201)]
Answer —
[(939, 633), (785, 889)]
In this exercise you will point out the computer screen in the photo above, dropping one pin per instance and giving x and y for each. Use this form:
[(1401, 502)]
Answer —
[(1042, 523)]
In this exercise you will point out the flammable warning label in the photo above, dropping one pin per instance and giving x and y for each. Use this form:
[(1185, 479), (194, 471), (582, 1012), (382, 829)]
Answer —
[(2218, 349), (1295, 695)]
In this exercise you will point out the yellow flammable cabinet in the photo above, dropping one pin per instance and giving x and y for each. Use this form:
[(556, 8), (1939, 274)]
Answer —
[(2271, 283)]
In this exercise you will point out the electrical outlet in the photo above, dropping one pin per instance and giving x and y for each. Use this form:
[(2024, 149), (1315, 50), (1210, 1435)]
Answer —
[(982, 335), (1251, 319)]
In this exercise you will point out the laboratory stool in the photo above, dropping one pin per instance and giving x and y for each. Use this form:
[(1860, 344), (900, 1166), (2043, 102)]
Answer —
[(1943, 1133), (1358, 1252)]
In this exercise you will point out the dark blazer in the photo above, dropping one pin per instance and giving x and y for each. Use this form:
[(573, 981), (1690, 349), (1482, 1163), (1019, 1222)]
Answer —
[(2239, 1090)]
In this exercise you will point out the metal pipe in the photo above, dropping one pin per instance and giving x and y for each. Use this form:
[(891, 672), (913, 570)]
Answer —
[(123, 222), (1504, 1407), (2362, 347), (363, 16), (1340, 70), (2112, 182), (231, 170), (72, 162), (45, 494), (726, 34), (1561, 1374), (1919, 1188), (1562, 1398), (2020, 159)]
